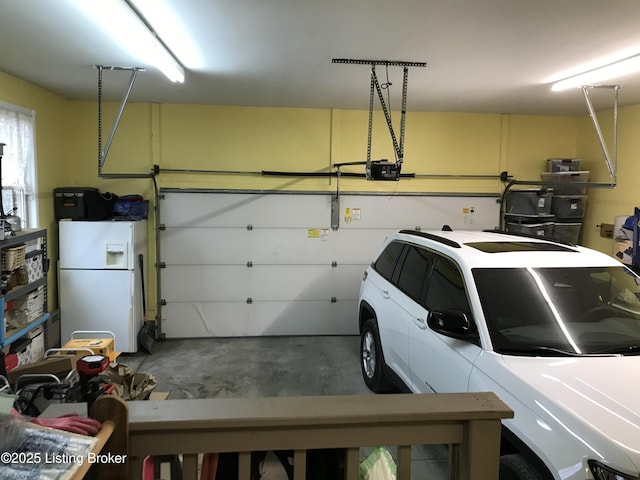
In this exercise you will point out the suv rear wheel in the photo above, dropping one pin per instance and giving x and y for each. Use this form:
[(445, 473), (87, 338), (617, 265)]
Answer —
[(372, 359)]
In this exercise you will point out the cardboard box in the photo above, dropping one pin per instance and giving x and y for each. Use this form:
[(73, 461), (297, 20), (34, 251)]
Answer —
[(35, 267), (31, 304), (21, 348), (99, 346), (57, 365), (622, 250), (159, 395), (36, 347)]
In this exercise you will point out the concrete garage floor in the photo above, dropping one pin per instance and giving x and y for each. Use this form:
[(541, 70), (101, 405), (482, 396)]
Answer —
[(267, 367)]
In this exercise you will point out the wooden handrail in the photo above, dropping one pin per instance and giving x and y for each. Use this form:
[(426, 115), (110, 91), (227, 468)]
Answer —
[(468, 421), (101, 438)]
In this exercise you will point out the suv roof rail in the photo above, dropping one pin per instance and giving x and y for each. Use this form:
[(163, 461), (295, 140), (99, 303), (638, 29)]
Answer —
[(431, 236), (529, 235)]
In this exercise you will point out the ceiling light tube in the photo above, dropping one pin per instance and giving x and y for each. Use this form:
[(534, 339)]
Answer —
[(127, 28), (165, 62), (158, 52), (616, 69)]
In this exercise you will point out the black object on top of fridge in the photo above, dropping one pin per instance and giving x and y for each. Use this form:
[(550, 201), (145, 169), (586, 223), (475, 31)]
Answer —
[(83, 203)]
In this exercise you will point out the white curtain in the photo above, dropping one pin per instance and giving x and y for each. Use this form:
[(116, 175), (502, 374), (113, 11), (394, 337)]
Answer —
[(17, 132)]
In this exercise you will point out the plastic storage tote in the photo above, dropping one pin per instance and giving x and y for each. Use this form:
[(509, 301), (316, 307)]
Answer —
[(563, 182), (567, 232), (563, 164), (537, 229), (568, 206), (529, 202)]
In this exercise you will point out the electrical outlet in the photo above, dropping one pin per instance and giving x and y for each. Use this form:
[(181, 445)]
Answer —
[(606, 230)]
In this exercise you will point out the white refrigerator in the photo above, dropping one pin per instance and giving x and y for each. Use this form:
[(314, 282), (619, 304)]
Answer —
[(100, 280)]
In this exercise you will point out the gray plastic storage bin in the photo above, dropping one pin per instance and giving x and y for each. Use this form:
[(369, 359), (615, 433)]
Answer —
[(566, 232), (563, 182), (537, 229), (563, 164), (568, 206), (529, 202)]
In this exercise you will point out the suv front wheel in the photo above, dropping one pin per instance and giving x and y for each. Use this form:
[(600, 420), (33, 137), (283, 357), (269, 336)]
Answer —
[(372, 359), (515, 467)]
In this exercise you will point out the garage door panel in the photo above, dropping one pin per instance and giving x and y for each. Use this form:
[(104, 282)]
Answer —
[(205, 283), (397, 212), (304, 282), (357, 246), (205, 319), (346, 281), (316, 246), (243, 209), (290, 246), (289, 282), (261, 282), (305, 318), (232, 319), (195, 246)]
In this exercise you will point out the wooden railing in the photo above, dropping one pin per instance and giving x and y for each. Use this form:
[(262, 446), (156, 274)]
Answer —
[(469, 422)]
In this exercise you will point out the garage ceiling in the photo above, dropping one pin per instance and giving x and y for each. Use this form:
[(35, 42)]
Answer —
[(490, 56)]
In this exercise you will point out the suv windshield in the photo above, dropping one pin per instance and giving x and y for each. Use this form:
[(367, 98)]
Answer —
[(573, 310)]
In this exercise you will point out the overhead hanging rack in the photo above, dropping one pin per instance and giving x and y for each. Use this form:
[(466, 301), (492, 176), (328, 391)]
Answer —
[(102, 154), (610, 157), (382, 169)]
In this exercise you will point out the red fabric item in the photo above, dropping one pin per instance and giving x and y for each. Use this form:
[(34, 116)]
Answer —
[(70, 423), (147, 468), (10, 361), (209, 466)]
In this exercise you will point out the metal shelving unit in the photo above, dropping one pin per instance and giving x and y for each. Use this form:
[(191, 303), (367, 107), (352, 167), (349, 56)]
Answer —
[(7, 337)]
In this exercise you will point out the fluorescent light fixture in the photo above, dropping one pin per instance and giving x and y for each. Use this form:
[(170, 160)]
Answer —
[(175, 35), (619, 68), (126, 28)]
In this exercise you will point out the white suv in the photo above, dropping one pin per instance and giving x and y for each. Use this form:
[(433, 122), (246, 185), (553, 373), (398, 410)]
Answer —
[(553, 329)]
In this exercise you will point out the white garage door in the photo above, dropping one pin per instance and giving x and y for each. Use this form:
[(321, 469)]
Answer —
[(247, 263)]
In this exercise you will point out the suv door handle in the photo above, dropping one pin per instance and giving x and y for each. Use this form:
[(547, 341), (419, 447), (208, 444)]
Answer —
[(385, 293), (421, 323)]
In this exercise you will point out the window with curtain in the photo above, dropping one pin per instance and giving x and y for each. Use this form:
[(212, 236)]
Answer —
[(18, 163)]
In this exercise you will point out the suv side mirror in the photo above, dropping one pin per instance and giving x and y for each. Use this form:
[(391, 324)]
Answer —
[(452, 323)]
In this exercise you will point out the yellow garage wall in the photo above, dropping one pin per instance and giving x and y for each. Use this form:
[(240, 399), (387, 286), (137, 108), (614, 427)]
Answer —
[(249, 140), (52, 144), (533, 139), (245, 140), (130, 152)]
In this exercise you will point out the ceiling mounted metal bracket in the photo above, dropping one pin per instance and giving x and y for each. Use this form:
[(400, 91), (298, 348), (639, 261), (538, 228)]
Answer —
[(611, 159), (389, 63), (102, 154), (383, 170)]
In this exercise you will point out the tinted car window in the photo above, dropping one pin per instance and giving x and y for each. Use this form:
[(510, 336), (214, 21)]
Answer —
[(579, 310), (414, 272), (387, 260), (446, 287)]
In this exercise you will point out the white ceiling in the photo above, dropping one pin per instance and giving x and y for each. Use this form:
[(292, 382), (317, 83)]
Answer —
[(493, 56)]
